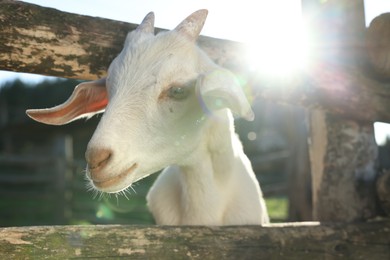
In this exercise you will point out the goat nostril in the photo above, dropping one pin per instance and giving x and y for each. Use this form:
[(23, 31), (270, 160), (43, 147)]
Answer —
[(99, 164), (98, 158)]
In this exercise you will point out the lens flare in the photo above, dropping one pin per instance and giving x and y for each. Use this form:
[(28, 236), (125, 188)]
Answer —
[(103, 212), (220, 89), (278, 45), (278, 54)]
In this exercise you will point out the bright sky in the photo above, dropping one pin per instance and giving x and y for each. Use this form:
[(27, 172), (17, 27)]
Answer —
[(236, 20)]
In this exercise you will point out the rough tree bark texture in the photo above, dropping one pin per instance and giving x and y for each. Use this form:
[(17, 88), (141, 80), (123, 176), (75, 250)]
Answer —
[(383, 190), (343, 150), (343, 157), (292, 241), (50, 42), (378, 45)]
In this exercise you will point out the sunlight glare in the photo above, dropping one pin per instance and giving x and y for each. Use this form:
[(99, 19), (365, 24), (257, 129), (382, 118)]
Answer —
[(382, 133), (279, 47), (278, 55)]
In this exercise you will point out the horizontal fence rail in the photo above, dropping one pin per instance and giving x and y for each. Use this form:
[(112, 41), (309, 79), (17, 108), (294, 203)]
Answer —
[(50, 42), (288, 241)]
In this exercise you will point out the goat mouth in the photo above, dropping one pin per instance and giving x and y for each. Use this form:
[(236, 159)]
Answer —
[(114, 181)]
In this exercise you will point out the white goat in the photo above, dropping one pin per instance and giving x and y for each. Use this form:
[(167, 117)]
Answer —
[(167, 105)]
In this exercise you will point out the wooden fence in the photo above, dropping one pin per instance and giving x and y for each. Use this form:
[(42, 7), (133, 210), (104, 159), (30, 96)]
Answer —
[(279, 241), (344, 96)]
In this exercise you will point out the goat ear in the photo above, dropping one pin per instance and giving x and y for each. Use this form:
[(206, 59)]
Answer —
[(220, 89), (192, 25), (87, 99), (147, 24)]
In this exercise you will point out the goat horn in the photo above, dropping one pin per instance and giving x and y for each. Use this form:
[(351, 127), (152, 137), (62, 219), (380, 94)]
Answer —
[(193, 24), (147, 24)]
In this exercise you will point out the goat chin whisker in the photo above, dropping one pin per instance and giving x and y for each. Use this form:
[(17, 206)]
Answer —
[(123, 193), (132, 188), (96, 194), (101, 195), (126, 192)]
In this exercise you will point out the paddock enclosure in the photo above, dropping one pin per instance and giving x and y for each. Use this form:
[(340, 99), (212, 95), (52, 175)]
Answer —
[(342, 94)]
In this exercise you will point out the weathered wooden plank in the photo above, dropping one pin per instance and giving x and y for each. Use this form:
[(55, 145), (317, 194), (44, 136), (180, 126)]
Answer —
[(337, 29), (287, 241), (378, 45), (50, 42), (343, 149), (342, 90), (47, 41), (343, 164)]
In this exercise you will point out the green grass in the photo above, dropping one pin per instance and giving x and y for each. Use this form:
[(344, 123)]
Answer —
[(277, 208)]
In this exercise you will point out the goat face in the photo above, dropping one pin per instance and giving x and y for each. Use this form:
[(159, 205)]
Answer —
[(152, 118), (155, 97)]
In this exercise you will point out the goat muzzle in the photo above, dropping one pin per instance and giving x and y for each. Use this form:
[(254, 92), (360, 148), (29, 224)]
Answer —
[(98, 159), (113, 181)]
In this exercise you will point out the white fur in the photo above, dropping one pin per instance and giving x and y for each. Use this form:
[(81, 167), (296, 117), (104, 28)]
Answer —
[(208, 179), (215, 185)]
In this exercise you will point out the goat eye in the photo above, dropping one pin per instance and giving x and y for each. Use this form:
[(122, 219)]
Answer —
[(178, 93)]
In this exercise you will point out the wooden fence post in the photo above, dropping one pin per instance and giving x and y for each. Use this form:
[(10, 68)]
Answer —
[(299, 179), (343, 159), (343, 151)]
